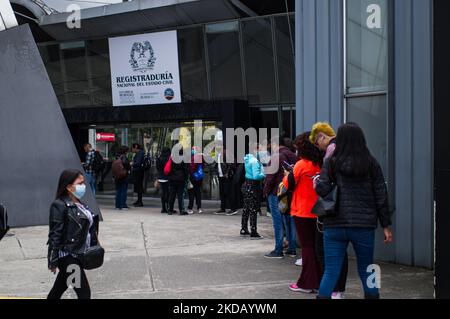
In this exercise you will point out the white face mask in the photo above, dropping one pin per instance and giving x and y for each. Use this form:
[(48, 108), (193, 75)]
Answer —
[(80, 191)]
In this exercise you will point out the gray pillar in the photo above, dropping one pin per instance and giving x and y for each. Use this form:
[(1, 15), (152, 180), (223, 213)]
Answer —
[(35, 143), (319, 62), (414, 214)]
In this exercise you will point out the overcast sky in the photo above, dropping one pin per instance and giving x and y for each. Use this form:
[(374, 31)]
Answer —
[(61, 5)]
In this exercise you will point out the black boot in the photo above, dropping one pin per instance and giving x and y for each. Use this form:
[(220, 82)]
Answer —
[(245, 232), (255, 235)]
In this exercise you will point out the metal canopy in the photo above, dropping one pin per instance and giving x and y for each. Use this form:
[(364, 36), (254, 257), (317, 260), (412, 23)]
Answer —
[(138, 16)]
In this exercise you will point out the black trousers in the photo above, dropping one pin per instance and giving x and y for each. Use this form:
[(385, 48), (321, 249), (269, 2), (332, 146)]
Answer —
[(228, 196), (177, 191), (195, 193), (251, 191), (164, 196), (60, 285), (342, 281), (138, 177)]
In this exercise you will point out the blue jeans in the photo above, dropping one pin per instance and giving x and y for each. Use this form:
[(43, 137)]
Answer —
[(335, 241), (278, 222), (90, 178), (121, 194), (291, 232)]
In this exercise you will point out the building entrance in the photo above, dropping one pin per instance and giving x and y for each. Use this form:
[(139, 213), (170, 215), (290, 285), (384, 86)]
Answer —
[(107, 139)]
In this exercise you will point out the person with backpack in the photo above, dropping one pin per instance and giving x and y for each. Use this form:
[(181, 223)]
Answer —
[(73, 235), (163, 179), (362, 202), (281, 157), (303, 200), (196, 176), (138, 173), (99, 169), (251, 191), (89, 166), (120, 171)]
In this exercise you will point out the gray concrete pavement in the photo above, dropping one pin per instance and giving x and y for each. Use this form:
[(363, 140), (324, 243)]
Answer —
[(153, 255)]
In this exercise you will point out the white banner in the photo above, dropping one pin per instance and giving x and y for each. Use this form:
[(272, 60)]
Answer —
[(144, 69)]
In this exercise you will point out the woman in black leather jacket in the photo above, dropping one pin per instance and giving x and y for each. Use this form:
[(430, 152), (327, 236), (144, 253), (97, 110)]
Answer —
[(73, 229)]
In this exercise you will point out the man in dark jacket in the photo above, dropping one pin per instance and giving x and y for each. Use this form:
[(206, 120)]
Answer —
[(178, 177), (163, 179), (281, 157), (224, 172), (138, 173)]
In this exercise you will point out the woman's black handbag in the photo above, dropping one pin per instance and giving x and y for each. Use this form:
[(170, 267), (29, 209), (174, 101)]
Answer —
[(326, 206), (93, 256)]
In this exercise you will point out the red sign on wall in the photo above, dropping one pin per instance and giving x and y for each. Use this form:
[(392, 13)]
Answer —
[(105, 137)]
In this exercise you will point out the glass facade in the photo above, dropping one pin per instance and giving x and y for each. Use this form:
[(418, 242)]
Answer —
[(366, 75), (191, 50), (250, 59), (259, 61), (225, 60)]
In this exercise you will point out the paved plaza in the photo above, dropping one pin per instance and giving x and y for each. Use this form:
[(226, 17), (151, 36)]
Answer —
[(153, 255)]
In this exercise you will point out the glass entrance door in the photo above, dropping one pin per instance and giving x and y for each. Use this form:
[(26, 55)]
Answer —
[(153, 137)]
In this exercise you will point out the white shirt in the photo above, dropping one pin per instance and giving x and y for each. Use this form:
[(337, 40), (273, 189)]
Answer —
[(219, 166)]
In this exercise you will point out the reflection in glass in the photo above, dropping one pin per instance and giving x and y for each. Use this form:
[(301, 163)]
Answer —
[(371, 114), (285, 56), (259, 61), (225, 59), (366, 47), (192, 64), (74, 72), (100, 72)]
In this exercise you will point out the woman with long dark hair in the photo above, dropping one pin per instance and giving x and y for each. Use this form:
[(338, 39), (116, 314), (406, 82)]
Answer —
[(362, 202), (73, 229), (303, 199)]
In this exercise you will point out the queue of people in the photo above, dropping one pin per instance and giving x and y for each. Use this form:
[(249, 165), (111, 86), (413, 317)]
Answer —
[(341, 164), (315, 166)]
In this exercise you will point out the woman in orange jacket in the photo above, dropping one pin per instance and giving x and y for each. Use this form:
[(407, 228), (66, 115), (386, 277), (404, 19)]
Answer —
[(304, 198)]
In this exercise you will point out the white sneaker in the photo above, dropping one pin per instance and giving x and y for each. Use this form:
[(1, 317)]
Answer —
[(232, 213), (200, 211), (299, 262), (337, 295), (190, 211)]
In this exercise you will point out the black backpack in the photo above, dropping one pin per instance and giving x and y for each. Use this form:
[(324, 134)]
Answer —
[(98, 165), (3, 221)]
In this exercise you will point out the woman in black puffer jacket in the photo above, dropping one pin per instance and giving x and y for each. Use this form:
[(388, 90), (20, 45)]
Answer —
[(362, 203)]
